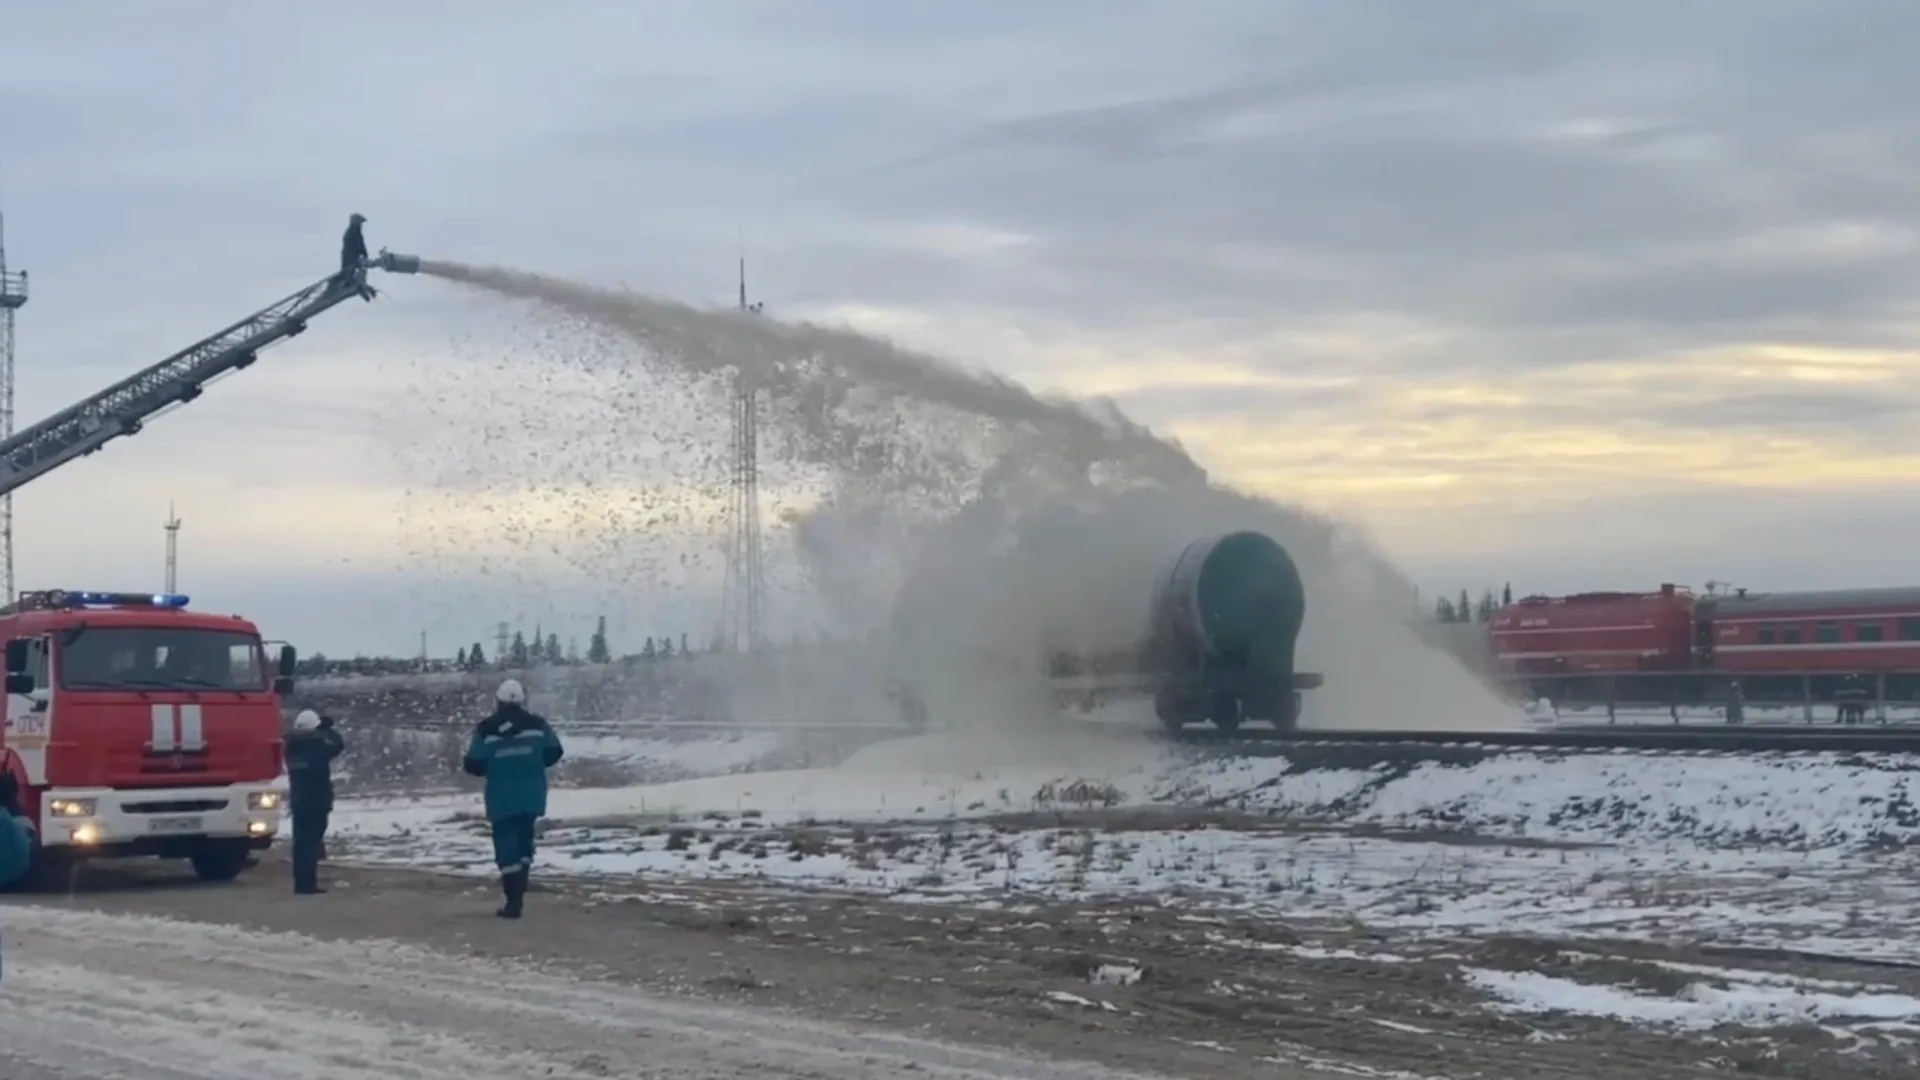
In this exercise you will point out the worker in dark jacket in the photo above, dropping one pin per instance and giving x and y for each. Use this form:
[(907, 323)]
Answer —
[(353, 245), (16, 834), (311, 748), (513, 749)]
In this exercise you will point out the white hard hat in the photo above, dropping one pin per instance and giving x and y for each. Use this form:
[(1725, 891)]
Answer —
[(308, 720), (511, 693)]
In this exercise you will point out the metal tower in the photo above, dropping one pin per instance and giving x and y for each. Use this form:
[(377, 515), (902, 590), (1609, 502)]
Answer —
[(13, 297), (173, 552), (743, 597)]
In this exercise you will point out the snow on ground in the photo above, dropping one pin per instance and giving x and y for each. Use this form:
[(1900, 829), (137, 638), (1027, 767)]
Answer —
[(1867, 907), (1809, 800), (1806, 850), (1741, 999), (1625, 796)]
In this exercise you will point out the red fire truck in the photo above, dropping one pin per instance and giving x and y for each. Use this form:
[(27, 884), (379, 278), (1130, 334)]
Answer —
[(138, 728)]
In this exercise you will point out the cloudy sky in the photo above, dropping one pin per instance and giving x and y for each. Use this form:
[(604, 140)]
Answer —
[(1575, 295)]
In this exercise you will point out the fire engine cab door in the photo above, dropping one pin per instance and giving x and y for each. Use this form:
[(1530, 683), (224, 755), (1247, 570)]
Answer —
[(30, 716)]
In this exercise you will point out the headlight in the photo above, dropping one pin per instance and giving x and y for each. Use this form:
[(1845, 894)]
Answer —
[(266, 800), (72, 807)]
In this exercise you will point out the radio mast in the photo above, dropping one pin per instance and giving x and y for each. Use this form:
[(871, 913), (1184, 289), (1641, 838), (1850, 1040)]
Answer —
[(13, 297), (743, 595)]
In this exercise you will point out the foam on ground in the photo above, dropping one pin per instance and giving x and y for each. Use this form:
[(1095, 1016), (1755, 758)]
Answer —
[(1809, 852)]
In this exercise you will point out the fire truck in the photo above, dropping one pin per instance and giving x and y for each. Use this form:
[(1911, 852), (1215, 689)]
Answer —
[(136, 727)]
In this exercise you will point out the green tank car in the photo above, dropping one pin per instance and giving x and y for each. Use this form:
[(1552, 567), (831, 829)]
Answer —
[(1225, 623)]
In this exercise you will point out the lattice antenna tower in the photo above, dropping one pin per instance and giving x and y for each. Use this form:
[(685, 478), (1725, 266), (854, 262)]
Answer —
[(743, 596), (173, 551), (13, 297)]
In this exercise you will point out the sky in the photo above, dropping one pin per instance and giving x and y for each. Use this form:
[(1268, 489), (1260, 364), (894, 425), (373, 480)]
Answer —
[(1567, 295)]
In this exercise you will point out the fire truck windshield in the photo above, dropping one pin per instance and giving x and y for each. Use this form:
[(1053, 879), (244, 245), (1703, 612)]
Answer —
[(160, 658)]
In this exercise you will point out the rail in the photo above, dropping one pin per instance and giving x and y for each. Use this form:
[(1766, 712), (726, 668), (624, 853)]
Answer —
[(1738, 739)]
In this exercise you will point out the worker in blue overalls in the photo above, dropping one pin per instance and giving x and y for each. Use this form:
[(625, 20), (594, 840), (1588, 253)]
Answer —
[(513, 749), (16, 834)]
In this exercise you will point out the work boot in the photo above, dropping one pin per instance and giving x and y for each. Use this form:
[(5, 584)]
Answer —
[(514, 885)]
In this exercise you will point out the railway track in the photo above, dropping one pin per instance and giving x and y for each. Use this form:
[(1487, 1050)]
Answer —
[(1676, 738), (1263, 741)]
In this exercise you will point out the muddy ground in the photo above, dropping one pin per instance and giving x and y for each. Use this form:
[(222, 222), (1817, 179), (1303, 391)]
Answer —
[(1218, 996)]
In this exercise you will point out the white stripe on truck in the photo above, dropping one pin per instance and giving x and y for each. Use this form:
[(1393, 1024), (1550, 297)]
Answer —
[(162, 715), (192, 737)]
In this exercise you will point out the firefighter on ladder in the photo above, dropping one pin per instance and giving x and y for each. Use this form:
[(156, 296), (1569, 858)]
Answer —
[(353, 253)]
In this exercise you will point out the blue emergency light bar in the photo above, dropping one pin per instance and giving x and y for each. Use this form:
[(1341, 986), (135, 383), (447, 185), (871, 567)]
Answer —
[(66, 598)]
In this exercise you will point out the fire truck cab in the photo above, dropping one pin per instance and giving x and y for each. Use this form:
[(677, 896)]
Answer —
[(138, 728)]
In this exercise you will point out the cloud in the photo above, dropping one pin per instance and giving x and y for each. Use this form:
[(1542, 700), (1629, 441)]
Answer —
[(1478, 277)]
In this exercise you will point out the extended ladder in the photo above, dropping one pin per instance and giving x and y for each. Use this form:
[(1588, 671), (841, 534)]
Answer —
[(126, 406)]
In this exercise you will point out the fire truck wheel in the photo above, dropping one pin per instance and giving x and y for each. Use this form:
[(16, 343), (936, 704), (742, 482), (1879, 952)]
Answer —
[(220, 862)]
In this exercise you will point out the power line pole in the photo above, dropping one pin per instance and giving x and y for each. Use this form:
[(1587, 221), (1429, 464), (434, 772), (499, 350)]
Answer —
[(743, 595), (13, 297), (173, 551)]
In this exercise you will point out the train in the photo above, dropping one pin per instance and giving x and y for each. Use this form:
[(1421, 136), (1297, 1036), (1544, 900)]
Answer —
[(1737, 635), (1215, 644)]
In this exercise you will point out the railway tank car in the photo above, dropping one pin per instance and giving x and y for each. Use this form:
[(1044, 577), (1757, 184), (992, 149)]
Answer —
[(1214, 639), (1222, 632)]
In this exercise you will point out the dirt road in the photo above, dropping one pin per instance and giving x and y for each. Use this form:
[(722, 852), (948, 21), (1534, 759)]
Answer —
[(408, 975), (404, 974), (96, 995)]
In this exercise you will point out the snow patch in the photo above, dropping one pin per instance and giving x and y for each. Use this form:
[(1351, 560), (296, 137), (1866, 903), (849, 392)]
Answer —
[(1696, 1007)]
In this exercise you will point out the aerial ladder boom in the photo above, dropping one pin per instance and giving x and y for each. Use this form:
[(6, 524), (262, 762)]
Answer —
[(126, 406)]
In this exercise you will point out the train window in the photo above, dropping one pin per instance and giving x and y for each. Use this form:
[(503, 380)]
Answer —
[(1910, 629), (1827, 633), (1790, 635), (1869, 631), (1766, 635)]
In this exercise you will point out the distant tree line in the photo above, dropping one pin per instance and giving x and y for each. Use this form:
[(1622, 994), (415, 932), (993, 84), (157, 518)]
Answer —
[(525, 652), (1464, 608), (542, 649)]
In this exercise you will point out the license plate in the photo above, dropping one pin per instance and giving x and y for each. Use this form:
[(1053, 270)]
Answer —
[(175, 824)]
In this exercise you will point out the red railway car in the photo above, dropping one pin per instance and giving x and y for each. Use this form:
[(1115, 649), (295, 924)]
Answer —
[(1604, 632), (1850, 631)]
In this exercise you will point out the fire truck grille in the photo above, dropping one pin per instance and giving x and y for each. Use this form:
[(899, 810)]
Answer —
[(175, 806)]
